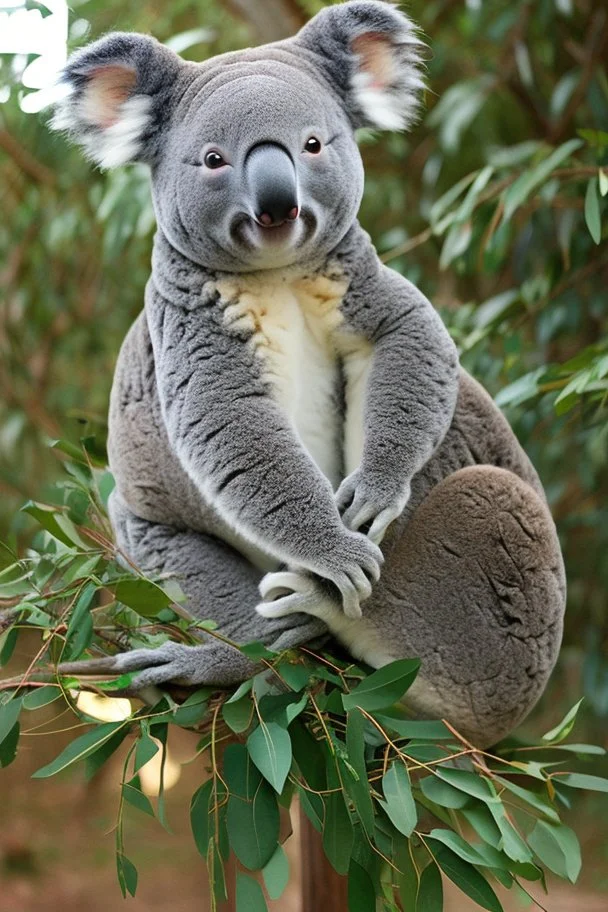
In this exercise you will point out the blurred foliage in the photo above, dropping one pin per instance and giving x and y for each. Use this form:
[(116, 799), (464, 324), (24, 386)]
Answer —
[(495, 206)]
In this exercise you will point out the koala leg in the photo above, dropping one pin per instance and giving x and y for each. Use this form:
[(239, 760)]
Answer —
[(475, 587), (222, 585)]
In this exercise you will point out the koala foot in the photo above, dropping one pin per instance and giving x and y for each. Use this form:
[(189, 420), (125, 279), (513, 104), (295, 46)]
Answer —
[(211, 663), (361, 504)]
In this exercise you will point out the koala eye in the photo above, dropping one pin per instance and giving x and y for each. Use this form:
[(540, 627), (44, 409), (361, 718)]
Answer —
[(214, 160), (312, 145)]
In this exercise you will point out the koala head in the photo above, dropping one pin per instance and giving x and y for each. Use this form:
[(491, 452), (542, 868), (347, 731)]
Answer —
[(253, 156)]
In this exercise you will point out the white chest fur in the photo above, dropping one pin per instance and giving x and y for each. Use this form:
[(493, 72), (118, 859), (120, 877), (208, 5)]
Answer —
[(297, 331)]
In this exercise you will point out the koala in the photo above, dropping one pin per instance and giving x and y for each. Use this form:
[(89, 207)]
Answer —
[(290, 431)]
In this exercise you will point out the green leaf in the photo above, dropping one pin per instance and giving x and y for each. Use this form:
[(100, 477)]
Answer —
[(408, 878), (310, 755), (442, 793), (257, 651), (581, 781), (441, 206), (136, 797), (383, 687), (194, 709), (338, 834), (430, 890), (237, 714), (531, 798), (142, 595), (208, 811), (312, 805), (79, 749), (520, 190), (467, 879), (557, 848), (563, 729), (80, 626), (294, 674), (481, 788), (249, 895), (460, 846), (269, 747), (253, 813), (8, 747), (484, 824), (522, 389), (583, 749), (276, 873), (9, 713), (355, 777), (603, 181), (361, 893), (399, 804), (96, 760), (593, 216), (42, 696), (419, 730), (8, 641), (56, 522), (15, 581), (217, 878), (127, 874), (283, 708)]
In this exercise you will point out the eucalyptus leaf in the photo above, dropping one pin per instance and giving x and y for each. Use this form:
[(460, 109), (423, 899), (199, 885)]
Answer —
[(399, 804), (80, 748), (276, 873), (249, 895), (430, 890), (253, 813), (269, 747), (338, 832), (558, 848), (384, 687), (468, 879), (593, 216)]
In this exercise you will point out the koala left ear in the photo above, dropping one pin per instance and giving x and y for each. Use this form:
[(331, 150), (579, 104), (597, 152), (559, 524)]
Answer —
[(371, 54), (119, 95)]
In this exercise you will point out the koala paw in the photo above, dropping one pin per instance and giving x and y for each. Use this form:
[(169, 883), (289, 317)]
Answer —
[(292, 592), (351, 566), (361, 504), (212, 663)]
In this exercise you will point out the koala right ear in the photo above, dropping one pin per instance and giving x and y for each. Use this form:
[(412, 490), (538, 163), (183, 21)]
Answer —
[(119, 92)]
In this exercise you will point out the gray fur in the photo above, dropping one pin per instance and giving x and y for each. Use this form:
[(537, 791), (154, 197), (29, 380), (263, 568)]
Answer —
[(269, 371)]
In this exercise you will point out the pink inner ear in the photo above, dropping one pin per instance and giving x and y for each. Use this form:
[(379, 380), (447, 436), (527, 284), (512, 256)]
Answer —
[(107, 89), (376, 58)]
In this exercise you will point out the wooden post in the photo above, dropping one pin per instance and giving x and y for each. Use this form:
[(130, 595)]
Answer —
[(322, 888)]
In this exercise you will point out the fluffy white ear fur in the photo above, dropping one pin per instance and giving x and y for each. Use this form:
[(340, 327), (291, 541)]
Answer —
[(388, 83), (112, 121)]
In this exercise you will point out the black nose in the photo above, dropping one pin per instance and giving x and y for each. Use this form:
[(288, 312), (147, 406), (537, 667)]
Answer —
[(271, 179)]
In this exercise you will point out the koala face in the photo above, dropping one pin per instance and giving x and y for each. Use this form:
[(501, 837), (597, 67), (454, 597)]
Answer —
[(253, 157), (253, 175)]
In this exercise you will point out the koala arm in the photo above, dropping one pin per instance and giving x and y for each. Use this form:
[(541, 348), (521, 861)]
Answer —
[(238, 446), (410, 394)]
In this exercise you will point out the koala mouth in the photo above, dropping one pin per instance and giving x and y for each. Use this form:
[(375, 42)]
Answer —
[(251, 233)]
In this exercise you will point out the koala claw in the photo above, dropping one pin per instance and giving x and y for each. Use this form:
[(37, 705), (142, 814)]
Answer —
[(360, 507)]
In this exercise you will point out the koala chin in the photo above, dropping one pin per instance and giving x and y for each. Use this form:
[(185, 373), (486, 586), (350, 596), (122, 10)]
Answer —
[(290, 432)]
